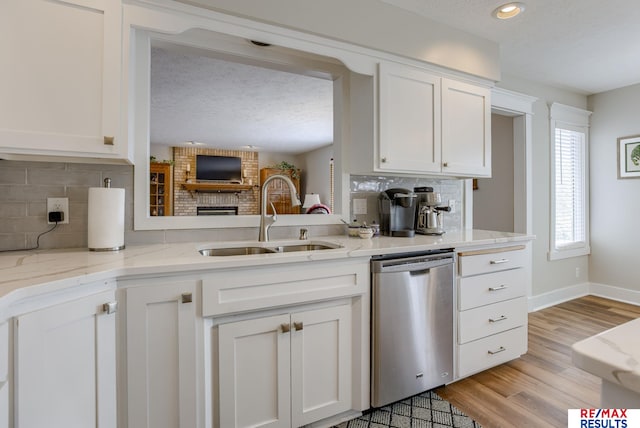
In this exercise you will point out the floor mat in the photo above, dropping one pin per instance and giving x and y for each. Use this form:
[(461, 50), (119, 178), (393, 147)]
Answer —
[(426, 410)]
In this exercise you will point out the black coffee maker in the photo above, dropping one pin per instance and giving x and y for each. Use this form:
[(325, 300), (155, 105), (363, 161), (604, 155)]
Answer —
[(397, 208)]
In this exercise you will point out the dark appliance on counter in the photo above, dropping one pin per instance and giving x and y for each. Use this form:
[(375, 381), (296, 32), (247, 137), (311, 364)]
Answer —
[(397, 208), (429, 219), (226, 169)]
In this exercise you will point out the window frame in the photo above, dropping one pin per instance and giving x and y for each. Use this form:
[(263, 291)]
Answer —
[(577, 120)]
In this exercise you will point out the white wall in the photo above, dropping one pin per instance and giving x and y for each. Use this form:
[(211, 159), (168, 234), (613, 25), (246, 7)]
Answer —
[(547, 276), (493, 200), (615, 203), (376, 25)]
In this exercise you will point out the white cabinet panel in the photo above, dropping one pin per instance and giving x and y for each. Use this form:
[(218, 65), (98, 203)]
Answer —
[(65, 366), (481, 262), (409, 104), (320, 364), (255, 375), (466, 129), (480, 290), (491, 351), (60, 78), (285, 370), (491, 319), (161, 355)]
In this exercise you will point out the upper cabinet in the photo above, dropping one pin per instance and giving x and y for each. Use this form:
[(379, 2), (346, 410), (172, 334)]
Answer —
[(60, 79), (427, 124), (466, 129)]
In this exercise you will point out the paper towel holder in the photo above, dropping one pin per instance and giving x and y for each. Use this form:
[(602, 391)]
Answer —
[(114, 242)]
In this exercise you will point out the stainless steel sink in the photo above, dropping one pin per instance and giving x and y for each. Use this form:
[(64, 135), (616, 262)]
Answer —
[(305, 247), (236, 251), (245, 250)]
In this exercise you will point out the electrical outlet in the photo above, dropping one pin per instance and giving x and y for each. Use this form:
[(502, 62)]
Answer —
[(359, 206), (452, 205), (58, 204)]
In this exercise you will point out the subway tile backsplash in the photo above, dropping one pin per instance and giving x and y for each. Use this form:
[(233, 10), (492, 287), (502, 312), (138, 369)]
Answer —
[(25, 187), (369, 187)]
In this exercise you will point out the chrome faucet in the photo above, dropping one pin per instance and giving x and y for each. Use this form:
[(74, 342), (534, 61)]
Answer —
[(266, 220)]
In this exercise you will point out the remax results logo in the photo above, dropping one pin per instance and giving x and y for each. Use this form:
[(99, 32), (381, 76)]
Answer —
[(603, 418)]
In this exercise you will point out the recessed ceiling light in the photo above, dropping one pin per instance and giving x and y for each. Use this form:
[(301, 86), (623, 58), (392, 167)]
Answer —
[(194, 143), (508, 10)]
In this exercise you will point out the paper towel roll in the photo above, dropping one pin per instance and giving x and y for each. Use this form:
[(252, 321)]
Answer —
[(106, 219)]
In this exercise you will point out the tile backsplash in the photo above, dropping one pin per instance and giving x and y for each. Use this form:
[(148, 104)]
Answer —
[(25, 187), (368, 188)]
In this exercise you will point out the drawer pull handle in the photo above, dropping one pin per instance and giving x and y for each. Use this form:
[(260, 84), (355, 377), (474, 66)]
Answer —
[(298, 326), (499, 261), (502, 287), (501, 318), (501, 349), (186, 297), (286, 328), (110, 307)]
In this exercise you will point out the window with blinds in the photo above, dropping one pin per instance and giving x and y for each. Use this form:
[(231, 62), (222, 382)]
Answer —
[(569, 183)]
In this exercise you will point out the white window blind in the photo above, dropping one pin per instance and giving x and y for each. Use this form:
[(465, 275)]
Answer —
[(569, 183)]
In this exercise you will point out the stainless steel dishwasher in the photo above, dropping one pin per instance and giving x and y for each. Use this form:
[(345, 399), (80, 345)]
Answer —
[(412, 325)]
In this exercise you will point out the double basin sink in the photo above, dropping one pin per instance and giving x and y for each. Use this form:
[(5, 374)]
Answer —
[(267, 248)]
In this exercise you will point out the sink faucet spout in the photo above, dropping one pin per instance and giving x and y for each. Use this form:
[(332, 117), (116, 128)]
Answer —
[(266, 220)]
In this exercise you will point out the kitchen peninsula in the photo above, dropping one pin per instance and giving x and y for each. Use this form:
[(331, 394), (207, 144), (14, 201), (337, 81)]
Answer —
[(152, 303)]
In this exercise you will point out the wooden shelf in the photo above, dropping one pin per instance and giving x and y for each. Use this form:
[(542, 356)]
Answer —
[(216, 187)]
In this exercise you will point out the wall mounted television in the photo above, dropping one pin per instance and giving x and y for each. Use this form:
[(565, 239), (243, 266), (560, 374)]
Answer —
[(219, 168)]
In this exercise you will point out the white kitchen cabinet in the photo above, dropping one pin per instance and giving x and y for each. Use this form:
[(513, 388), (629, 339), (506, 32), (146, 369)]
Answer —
[(409, 121), (161, 347), (492, 307), (65, 365), (60, 79), (466, 129), (285, 370), (433, 125)]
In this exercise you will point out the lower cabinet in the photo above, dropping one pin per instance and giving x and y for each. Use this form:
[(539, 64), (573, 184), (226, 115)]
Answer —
[(161, 355), (492, 307), (285, 370), (65, 365)]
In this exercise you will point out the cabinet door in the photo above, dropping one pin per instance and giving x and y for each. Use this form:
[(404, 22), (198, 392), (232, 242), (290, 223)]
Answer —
[(65, 366), (466, 129), (60, 77), (409, 101), (320, 364), (254, 370), (161, 356)]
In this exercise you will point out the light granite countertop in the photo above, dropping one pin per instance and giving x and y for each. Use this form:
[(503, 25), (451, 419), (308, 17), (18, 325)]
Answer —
[(613, 355), (30, 273)]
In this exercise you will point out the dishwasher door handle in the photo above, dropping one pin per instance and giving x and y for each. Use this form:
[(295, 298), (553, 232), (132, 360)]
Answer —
[(413, 266)]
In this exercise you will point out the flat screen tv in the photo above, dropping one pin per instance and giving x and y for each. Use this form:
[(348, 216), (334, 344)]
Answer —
[(218, 168)]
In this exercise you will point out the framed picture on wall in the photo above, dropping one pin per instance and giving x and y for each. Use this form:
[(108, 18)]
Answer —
[(629, 157)]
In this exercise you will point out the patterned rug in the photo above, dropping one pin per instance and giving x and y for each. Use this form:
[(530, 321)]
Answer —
[(426, 410)]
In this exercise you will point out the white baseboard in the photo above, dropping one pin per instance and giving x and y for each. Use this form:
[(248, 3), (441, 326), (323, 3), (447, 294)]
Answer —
[(561, 295)]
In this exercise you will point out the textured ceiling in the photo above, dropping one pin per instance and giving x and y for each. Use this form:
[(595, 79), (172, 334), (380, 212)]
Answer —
[(230, 105)]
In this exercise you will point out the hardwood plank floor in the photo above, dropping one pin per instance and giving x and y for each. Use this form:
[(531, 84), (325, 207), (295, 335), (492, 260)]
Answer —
[(537, 389)]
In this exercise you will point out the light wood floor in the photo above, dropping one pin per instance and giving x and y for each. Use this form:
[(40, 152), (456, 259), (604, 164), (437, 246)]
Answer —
[(537, 389)]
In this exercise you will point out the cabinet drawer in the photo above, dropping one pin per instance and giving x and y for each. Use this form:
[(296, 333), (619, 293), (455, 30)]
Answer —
[(491, 351), (4, 352), (491, 319), (232, 291), (492, 260), (480, 290)]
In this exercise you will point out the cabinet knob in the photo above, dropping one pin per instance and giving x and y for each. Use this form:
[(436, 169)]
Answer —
[(187, 297), (298, 326), (108, 141), (383, 160), (286, 328), (445, 164), (110, 307)]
